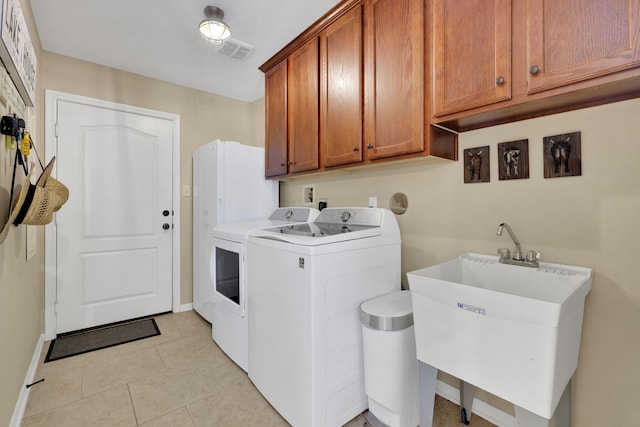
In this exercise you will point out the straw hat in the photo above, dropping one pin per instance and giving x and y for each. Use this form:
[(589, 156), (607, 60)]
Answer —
[(53, 185), (35, 204)]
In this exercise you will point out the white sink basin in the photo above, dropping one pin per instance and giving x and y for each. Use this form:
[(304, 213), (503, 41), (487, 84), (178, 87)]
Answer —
[(513, 331)]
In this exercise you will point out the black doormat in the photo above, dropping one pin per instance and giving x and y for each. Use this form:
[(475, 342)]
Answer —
[(86, 340)]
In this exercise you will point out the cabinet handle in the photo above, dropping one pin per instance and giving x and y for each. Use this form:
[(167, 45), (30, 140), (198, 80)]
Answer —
[(534, 70), (369, 146), (283, 164), (289, 163), (500, 81), (355, 148)]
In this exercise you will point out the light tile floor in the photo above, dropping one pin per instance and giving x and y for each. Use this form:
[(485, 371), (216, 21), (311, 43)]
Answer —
[(179, 378)]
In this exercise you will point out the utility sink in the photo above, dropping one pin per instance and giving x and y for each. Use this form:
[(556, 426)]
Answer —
[(513, 331)]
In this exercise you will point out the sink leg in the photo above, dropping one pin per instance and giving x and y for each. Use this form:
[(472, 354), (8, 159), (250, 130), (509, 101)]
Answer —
[(466, 401), (563, 410), (427, 378), (525, 418), (562, 414)]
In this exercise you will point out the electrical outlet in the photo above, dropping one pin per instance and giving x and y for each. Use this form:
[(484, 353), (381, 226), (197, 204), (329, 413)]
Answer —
[(373, 202)]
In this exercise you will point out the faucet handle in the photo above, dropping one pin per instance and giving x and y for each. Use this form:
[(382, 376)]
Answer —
[(504, 253), (533, 256)]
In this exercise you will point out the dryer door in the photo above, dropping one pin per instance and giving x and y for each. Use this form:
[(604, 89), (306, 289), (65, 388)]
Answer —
[(227, 274)]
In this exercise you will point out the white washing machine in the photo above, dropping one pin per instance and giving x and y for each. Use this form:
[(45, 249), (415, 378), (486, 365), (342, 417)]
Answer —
[(307, 284), (228, 269)]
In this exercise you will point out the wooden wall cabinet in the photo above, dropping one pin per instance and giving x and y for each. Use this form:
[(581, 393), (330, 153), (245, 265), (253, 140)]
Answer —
[(472, 54), (574, 40), (394, 76), (341, 83), (276, 115), (502, 60), (353, 91), (292, 112), (304, 107)]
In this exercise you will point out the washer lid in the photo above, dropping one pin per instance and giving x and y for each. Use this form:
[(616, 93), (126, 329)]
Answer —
[(390, 312)]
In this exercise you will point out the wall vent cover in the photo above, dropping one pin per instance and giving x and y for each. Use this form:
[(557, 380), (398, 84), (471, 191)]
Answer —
[(235, 49)]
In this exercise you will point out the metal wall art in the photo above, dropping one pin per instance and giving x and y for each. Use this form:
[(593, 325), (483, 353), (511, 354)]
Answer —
[(562, 155), (513, 160), (476, 162)]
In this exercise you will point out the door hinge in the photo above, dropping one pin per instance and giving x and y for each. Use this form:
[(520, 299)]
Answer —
[(55, 308), (56, 129)]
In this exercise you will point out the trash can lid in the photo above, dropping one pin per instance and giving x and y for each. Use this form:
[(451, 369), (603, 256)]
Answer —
[(390, 312)]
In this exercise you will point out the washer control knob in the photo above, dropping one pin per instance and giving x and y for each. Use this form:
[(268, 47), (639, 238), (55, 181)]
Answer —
[(344, 216)]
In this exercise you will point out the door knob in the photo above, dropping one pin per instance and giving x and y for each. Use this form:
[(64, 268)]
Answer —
[(165, 226), (355, 148), (534, 70), (369, 146), (500, 81)]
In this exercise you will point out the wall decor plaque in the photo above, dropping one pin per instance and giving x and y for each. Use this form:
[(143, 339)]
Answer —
[(16, 50), (476, 165), (562, 155), (513, 160)]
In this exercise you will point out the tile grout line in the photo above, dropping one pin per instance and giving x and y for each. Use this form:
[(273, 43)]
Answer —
[(133, 407)]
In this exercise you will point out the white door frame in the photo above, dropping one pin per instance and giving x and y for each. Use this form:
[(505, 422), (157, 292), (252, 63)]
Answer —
[(51, 112)]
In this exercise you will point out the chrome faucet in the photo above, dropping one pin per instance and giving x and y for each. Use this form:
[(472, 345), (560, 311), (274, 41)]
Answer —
[(505, 258), (517, 255)]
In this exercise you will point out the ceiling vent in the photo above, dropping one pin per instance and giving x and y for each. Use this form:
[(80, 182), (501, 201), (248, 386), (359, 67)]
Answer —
[(235, 49)]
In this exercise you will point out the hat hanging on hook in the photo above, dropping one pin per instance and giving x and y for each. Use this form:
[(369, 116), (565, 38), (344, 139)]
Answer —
[(35, 204)]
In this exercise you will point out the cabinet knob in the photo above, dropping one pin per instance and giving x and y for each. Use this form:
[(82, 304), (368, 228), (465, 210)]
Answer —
[(534, 70), (355, 148), (500, 80), (369, 146), (289, 163)]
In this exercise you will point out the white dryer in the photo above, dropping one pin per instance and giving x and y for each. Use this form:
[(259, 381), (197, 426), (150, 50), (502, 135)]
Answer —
[(228, 269), (307, 284)]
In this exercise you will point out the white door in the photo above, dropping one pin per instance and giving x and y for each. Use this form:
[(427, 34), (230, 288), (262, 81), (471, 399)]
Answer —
[(114, 235)]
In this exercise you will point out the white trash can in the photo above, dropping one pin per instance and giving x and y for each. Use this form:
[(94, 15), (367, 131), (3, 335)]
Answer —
[(390, 365)]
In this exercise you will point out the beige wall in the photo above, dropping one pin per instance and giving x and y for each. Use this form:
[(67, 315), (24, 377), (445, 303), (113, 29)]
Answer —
[(203, 118), (592, 220), (21, 291)]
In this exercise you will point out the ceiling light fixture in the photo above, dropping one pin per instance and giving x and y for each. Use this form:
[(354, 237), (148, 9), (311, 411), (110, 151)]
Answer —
[(213, 28)]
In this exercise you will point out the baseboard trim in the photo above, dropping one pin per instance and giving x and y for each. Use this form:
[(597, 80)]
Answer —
[(480, 408), (186, 307), (21, 404)]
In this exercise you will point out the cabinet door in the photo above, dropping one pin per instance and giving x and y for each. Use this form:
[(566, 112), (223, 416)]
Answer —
[(575, 40), (304, 106), (341, 87), (472, 54), (394, 77), (276, 120)]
